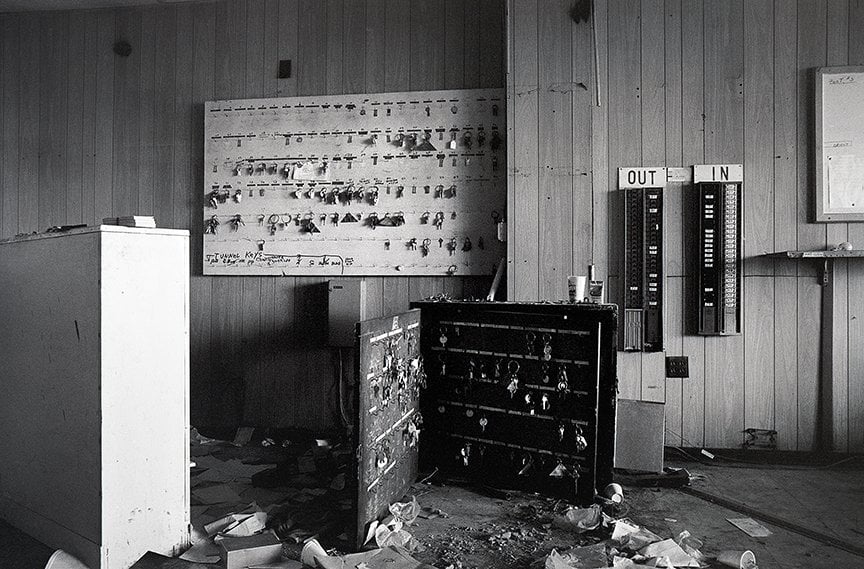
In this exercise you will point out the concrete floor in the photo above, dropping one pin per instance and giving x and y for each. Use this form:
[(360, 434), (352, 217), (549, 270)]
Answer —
[(514, 530), (828, 501)]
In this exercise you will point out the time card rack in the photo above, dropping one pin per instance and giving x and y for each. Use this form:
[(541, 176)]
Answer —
[(520, 394), (374, 184)]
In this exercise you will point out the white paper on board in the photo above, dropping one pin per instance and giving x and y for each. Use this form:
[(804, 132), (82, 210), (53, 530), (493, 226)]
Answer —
[(845, 182)]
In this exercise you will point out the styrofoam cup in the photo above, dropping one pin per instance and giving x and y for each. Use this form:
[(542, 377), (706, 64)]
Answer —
[(62, 560), (577, 287), (311, 551), (737, 559)]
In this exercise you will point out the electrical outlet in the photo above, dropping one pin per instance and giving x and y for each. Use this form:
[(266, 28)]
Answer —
[(677, 366)]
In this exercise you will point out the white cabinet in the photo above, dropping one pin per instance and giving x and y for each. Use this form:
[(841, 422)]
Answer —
[(94, 391)]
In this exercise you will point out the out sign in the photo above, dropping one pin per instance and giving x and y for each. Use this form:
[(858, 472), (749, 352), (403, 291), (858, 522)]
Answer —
[(641, 178)]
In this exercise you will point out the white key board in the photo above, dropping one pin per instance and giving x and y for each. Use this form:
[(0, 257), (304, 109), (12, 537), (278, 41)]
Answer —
[(370, 184)]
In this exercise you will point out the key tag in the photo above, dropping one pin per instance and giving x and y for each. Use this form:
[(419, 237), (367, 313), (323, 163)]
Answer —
[(545, 373), (497, 371), (443, 337), (443, 366), (562, 430), (425, 246), (527, 464), (581, 441), (528, 403), (529, 343), (513, 386), (472, 365), (483, 422), (563, 382), (547, 346), (560, 471), (544, 402), (465, 453)]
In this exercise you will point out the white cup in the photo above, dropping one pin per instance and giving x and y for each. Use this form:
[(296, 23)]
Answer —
[(62, 560), (738, 559), (577, 287)]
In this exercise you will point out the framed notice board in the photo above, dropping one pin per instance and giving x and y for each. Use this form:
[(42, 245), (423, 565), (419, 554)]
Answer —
[(839, 144)]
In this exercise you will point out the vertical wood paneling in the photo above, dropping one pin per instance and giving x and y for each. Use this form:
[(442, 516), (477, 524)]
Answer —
[(523, 262), (28, 127), (759, 353), (855, 290), (786, 362), (126, 114), (836, 363), (147, 112), (9, 188), (673, 218), (582, 99), (758, 216), (653, 73), (785, 214), (625, 149), (600, 143), (165, 58), (74, 141), (758, 138), (724, 142), (555, 82)]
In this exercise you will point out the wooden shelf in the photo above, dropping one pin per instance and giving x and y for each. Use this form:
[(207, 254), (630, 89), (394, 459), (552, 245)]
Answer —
[(815, 254)]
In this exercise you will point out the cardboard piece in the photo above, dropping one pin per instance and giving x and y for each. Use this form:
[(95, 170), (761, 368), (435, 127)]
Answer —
[(241, 552), (750, 526)]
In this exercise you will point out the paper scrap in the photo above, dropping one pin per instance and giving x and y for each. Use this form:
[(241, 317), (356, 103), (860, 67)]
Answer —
[(750, 526), (845, 181), (243, 436), (580, 519), (405, 512), (388, 558), (216, 494), (670, 550), (202, 552), (311, 171), (589, 557)]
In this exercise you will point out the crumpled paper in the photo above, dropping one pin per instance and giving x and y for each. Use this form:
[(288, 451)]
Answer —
[(668, 554), (589, 557), (581, 519), (405, 512)]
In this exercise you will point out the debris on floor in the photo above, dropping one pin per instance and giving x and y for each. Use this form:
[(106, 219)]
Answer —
[(270, 502)]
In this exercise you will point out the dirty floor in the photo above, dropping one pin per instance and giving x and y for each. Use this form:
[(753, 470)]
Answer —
[(488, 529)]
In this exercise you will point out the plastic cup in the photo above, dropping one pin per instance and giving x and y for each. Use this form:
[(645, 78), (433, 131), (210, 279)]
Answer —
[(737, 559), (577, 287), (311, 551), (62, 560)]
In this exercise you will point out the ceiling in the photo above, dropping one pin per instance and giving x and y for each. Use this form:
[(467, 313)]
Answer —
[(36, 5)]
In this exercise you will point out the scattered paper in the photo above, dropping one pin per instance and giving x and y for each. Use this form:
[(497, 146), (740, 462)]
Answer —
[(581, 519), (589, 557), (405, 512), (389, 558), (631, 536), (750, 526), (243, 436), (202, 552), (667, 548), (311, 171), (216, 494)]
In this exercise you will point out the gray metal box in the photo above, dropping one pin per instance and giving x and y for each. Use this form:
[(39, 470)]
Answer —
[(346, 300), (640, 435)]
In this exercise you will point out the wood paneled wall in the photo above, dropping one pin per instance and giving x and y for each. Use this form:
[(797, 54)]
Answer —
[(685, 82), (87, 134)]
